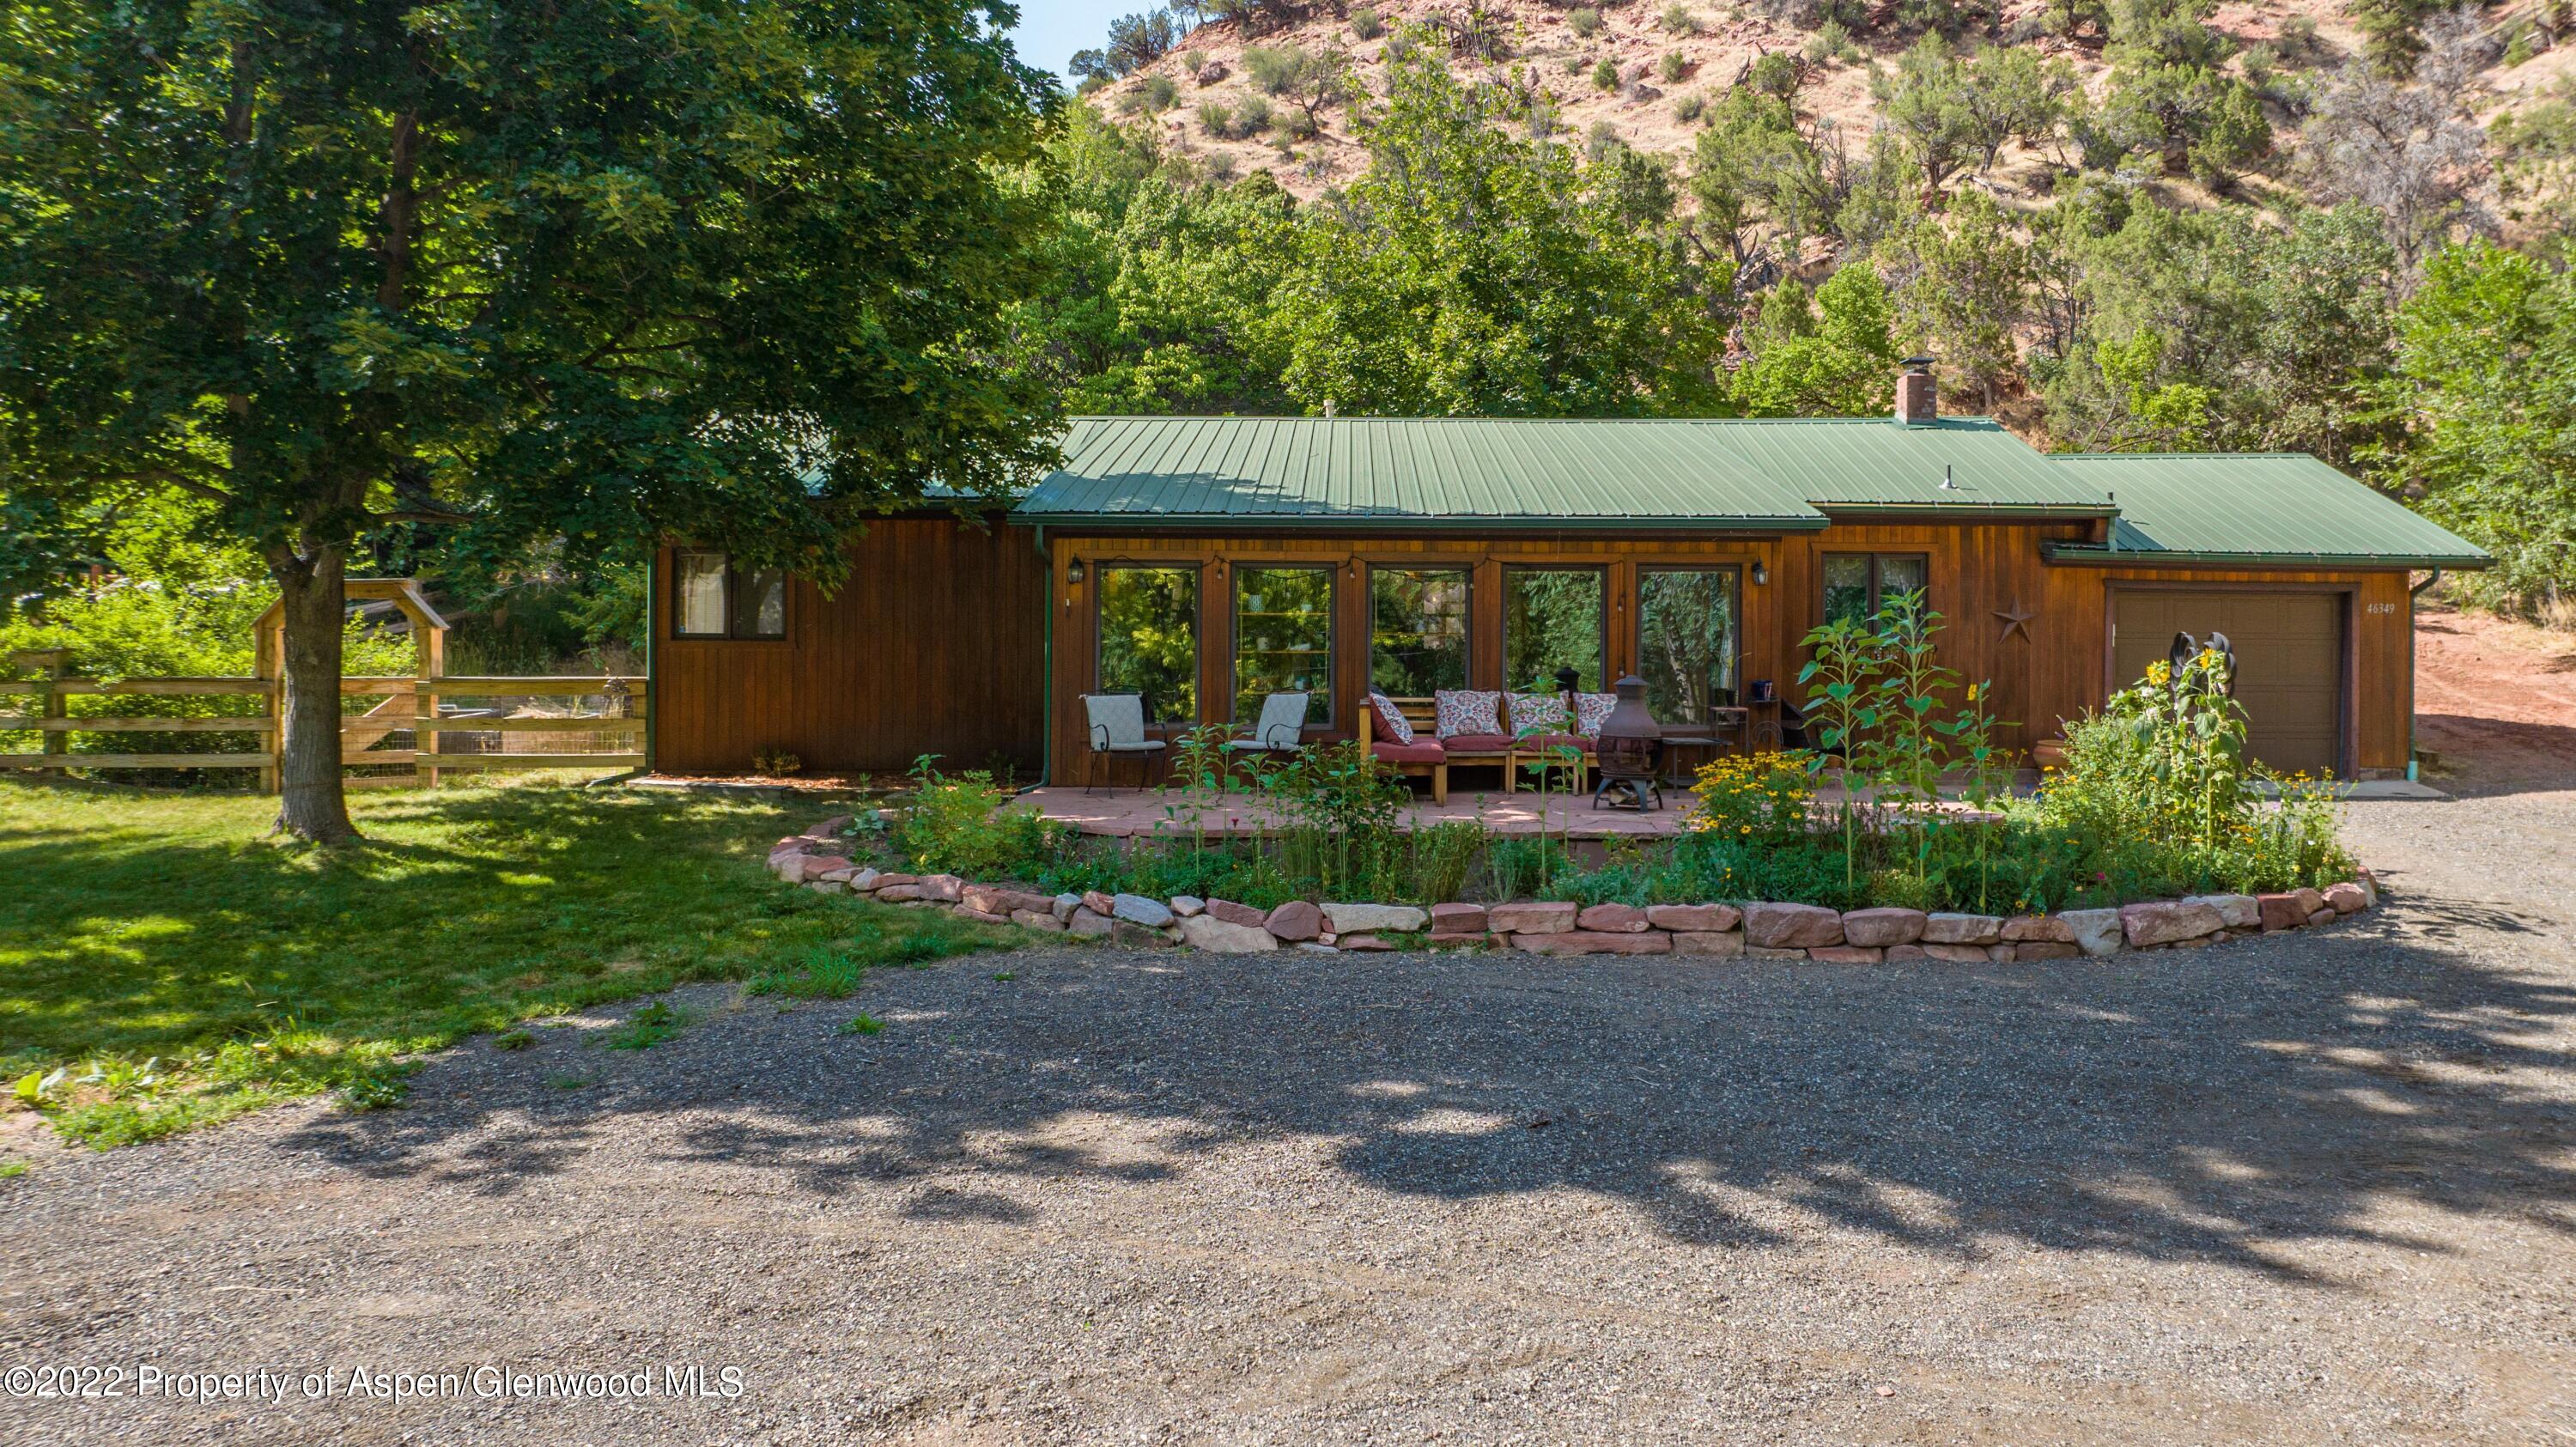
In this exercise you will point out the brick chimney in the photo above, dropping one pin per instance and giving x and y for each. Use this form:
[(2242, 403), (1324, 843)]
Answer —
[(1916, 406)]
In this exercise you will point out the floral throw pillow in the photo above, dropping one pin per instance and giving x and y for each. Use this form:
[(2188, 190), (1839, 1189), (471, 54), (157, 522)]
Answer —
[(1538, 713), (1591, 711), (1391, 722), (1456, 711)]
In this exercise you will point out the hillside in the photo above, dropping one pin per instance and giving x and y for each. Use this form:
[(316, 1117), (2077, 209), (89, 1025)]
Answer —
[(1671, 60)]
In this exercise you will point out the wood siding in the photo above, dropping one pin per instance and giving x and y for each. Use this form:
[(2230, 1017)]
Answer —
[(2052, 668), (934, 644)]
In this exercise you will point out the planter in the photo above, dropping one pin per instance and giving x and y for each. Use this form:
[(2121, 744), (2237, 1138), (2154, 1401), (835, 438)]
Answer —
[(1755, 930)]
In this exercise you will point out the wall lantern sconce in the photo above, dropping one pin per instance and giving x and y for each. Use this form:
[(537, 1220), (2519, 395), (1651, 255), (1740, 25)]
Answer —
[(1073, 572), (1761, 575)]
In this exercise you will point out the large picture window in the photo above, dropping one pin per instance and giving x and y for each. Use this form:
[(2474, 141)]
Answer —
[(1283, 639), (1149, 639), (1417, 630), (711, 598), (1687, 633), (1553, 618), (1857, 585)]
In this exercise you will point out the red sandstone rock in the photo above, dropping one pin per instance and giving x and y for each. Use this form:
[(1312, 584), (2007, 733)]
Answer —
[(1710, 943), (2346, 898), (2039, 927), (1233, 913), (1791, 926), (2031, 951), (1531, 917), (1003, 899), (1298, 919), (1613, 918), (1954, 954), (1694, 918), (1594, 942), (1960, 929), (2281, 911), (1457, 919), (1878, 928), (2167, 921), (1846, 954)]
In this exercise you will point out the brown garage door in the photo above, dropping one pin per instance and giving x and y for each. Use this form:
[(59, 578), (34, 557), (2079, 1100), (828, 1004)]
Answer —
[(2289, 662)]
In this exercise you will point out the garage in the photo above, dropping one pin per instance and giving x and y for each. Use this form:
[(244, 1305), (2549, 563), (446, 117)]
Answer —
[(2289, 661)]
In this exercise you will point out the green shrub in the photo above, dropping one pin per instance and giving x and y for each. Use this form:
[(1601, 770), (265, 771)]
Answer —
[(956, 824), (1688, 109), (1605, 75), (1672, 67), (1774, 75), (1365, 24), (1584, 21), (1677, 19)]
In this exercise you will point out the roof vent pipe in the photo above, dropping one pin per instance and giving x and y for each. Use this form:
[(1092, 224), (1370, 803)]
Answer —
[(1916, 403)]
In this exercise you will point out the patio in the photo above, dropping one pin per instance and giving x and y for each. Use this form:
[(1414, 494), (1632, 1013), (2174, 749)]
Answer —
[(1126, 813)]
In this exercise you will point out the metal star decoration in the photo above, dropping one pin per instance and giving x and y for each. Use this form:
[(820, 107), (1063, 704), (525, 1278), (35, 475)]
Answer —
[(2016, 619)]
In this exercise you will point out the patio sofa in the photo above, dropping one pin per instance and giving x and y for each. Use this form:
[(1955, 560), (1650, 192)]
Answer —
[(1429, 753)]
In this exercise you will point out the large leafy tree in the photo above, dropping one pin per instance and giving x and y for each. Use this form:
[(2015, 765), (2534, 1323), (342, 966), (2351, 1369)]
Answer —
[(594, 269), (1470, 273), (2485, 388), (1834, 358)]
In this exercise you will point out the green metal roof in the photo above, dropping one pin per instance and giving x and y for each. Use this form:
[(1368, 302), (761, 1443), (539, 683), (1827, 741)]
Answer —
[(2274, 507), (1380, 471)]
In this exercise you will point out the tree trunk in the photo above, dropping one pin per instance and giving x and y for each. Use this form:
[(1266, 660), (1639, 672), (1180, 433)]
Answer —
[(311, 804)]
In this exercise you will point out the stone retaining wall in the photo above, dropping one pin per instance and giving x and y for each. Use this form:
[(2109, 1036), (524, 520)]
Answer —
[(1762, 931)]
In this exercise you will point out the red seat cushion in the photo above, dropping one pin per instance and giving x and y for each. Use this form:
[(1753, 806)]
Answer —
[(1478, 743), (1424, 752), (1556, 741)]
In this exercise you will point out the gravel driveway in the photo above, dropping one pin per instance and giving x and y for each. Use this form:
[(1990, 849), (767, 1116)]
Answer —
[(2318, 1189)]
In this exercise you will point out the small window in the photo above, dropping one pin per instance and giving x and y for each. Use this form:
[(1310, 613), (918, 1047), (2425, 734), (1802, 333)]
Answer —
[(711, 598), (1857, 585), (1418, 630), (1149, 639), (1283, 639)]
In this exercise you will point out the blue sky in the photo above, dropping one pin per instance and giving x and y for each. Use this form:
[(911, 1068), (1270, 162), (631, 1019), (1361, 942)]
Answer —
[(1050, 31)]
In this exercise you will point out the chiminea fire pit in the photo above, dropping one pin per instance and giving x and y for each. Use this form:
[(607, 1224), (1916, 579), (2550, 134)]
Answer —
[(1629, 752)]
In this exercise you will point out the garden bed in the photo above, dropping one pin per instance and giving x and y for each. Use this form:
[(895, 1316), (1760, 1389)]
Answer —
[(1900, 835), (1755, 929)]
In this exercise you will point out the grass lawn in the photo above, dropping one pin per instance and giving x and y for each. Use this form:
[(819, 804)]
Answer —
[(177, 969)]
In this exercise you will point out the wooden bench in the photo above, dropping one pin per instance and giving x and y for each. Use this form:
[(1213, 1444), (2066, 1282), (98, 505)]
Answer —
[(1422, 715)]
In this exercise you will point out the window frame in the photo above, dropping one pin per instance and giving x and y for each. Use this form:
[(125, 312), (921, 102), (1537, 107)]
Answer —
[(1234, 640), (1465, 572), (1736, 652), (1877, 577), (1099, 571), (1601, 571), (735, 590)]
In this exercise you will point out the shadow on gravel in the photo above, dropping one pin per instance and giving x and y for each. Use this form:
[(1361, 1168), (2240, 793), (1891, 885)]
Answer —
[(2215, 1105)]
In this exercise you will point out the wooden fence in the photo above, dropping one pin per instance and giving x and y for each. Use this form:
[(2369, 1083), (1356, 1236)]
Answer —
[(408, 705), (422, 704)]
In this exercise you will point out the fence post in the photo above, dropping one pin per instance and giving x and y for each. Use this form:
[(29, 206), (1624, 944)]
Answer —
[(49, 664), (429, 652)]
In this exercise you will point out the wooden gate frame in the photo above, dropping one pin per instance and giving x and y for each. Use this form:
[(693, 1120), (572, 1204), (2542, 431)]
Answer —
[(429, 639)]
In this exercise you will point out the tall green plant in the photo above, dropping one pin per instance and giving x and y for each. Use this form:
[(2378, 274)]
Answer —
[(1843, 660), (1909, 750)]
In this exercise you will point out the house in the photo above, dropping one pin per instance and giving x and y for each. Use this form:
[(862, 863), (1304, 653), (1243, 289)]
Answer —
[(1204, 562)]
